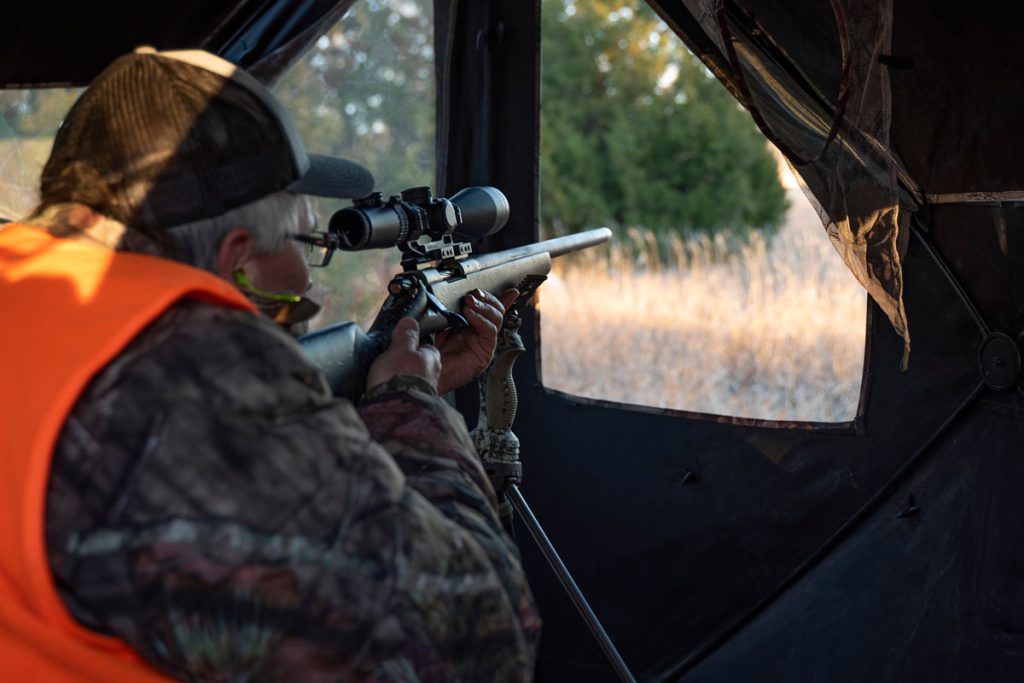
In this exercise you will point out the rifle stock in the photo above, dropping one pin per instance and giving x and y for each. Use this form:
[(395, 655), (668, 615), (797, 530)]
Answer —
[(344, 353)]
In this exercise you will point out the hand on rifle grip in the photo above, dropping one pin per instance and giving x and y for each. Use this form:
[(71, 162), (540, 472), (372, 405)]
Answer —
[(466, 354), (406, 356)]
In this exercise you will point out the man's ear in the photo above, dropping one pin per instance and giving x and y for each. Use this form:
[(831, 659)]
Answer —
[(234, 253)]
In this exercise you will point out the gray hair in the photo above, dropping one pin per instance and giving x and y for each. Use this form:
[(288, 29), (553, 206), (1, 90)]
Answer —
[(269, 219)]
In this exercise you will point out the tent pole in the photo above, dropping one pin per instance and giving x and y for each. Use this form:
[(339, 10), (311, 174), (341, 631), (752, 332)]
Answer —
[(515, 497)]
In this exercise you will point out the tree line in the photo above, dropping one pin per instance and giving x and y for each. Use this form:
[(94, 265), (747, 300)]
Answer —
[(635, 131), (638, 133)]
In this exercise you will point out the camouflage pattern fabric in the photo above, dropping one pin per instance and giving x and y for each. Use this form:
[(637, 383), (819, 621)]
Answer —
[(212, 505)]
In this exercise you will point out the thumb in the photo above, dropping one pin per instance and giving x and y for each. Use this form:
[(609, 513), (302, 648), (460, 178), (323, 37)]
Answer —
[(406, 336)]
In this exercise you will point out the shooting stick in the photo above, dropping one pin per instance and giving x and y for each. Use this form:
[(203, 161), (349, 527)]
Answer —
[(499, 451)]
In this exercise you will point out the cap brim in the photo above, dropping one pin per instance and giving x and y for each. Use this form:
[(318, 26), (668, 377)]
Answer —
[(333, 177)]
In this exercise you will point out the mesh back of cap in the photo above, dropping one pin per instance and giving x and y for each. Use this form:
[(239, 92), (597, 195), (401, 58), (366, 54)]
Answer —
[(156, 142)]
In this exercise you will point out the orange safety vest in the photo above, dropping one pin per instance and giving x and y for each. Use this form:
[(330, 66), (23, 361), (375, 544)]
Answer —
[(67, 309)]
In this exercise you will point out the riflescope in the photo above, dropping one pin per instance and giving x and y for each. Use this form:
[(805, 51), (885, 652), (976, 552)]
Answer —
[(416, 220)]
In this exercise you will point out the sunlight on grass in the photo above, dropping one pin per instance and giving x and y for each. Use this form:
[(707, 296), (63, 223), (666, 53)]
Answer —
[(763, 330)]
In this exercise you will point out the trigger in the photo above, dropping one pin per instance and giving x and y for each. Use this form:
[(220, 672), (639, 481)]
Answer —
[(455, 321)]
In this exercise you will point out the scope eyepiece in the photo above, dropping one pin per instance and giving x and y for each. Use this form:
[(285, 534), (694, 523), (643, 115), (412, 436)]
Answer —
[(369, 227)]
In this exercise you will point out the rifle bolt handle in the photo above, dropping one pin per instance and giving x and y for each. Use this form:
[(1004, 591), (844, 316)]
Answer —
[(397, 287)]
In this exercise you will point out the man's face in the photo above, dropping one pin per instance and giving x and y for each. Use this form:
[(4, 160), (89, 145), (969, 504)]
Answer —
[(285, 270)]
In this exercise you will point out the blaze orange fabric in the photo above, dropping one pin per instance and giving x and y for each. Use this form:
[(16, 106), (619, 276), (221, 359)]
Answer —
[(67, 309)]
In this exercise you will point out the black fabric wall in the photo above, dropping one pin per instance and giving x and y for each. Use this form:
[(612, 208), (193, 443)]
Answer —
[(790, 553)]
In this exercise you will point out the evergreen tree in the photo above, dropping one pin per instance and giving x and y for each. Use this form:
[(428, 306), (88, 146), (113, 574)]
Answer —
[(636, 131), (365, 91)]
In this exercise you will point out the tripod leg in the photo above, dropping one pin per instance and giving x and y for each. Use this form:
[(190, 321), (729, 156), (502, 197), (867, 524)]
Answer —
[(499, 453), (515, 497)]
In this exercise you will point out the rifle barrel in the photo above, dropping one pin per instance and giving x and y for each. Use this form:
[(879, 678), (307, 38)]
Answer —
[(556, 247)]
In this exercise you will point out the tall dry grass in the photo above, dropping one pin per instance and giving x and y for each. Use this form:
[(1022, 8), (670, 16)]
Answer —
[(771, 330)]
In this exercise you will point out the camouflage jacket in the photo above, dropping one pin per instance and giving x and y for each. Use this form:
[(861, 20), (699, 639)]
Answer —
[(211, 504)]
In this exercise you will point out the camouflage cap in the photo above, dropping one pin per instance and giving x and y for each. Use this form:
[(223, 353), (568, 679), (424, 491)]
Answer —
[(164, 138)]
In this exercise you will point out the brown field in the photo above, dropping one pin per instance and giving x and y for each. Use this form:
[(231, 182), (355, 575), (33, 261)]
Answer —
[(767, 330)]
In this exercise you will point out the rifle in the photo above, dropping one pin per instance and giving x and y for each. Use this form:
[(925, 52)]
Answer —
[(437, 271)]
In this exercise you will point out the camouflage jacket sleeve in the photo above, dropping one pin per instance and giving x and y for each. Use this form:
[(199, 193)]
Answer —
[(210, 504)]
